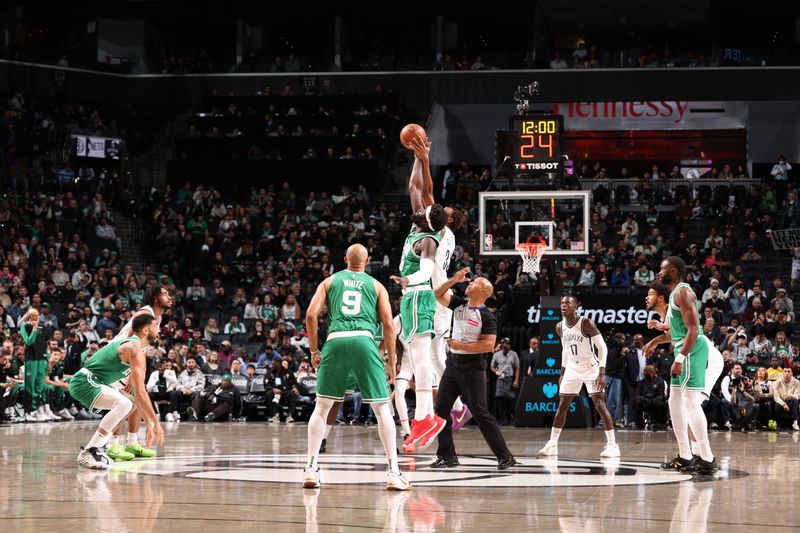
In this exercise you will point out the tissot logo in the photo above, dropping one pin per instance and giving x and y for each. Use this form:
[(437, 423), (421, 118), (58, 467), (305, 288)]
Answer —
[(371, 470), (537, 166)]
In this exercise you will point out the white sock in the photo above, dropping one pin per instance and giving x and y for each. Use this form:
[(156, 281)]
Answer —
[(97, 440), (316, 430), (679, 423), (458, 405), (328, 430), (696, 418), (400, 387), (610, 439), (387, 433), (424, 405), (133, 439), (114, 441), (695, 449), (554, 434)]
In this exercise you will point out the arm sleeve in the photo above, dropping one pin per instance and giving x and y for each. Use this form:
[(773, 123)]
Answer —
[(28, 334), (602, 349), (456, 302), (423, 274)]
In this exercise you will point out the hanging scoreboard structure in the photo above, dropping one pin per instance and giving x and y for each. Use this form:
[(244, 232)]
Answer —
[(535, 143)]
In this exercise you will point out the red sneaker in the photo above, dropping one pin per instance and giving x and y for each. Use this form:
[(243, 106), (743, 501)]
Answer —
[(409, 440), (431, 427)]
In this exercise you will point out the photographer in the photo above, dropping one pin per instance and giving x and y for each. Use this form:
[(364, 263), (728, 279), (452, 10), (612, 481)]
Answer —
[(744, 402), (615, 370), (722, 408)]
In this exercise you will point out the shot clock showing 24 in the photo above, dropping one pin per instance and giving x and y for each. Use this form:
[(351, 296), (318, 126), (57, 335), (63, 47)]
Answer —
[(535, 141)]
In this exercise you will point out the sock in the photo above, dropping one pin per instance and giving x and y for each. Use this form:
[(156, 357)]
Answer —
[(555, 433), (420, 350), (400, 387), (679, 423), (610, 439), (133, 439), (316, 430), (696, 418), (328, 431), (114, 441), (97, 440), (424, 405), (695, 449), (458, 405), (387, 433)]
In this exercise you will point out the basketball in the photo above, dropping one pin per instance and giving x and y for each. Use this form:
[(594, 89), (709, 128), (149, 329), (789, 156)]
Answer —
[(409, 132)]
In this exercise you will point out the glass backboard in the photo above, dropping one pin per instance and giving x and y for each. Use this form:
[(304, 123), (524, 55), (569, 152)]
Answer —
[(558, 218)]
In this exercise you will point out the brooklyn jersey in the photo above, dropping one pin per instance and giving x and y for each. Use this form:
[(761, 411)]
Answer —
[(444, 254), (577, 351)]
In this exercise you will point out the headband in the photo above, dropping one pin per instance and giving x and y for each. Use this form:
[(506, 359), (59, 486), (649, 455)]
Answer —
[(428, 216)]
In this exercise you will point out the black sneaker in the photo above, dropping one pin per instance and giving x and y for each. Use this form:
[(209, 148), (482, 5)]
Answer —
[(505, 464), (192, 414), (678, 463), (210, 417), (442, 462), (704, 468), (323, 446)]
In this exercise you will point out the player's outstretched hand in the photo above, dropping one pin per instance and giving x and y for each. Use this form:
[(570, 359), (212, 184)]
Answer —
[(652, 324), (648, 349), (400, 281), (155, 434), (676, 370), (421, 148)]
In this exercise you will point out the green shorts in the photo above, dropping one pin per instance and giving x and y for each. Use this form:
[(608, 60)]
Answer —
[(352, 355), (352, 383), (693, 376), (417, 309), (85, 389)]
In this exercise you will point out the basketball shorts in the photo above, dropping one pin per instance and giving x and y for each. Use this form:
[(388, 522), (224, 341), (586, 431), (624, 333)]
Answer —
[(693, 376), (352, 352), (417, 309), (442, 319), (352, 384), (573, 380), (714, 368), (84, 388)]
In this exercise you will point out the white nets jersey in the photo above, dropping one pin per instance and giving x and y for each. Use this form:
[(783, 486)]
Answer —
[(127, 329), (577, 351), (444, 254)]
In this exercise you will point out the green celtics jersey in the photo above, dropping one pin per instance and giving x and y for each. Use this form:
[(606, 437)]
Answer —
[(106, 366), (409, 261), (352, 302), (676, 324)]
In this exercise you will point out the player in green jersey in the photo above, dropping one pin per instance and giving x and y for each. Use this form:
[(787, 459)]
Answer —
[(688, 371), (355, 302), (91, 386)]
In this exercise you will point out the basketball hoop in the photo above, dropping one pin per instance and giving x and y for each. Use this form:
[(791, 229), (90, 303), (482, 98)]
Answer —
[(531, 253)]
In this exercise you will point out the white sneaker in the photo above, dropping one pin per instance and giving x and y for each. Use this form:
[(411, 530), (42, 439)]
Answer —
[(397, 481), (795, 427), (311, 479), (275, 418), (94, 458), (611, 450), (42, 415), (175, 416), (65, 415), (290, 420), (49, 412), (728, 425), (33, 417), (170, 417), (550, 449)]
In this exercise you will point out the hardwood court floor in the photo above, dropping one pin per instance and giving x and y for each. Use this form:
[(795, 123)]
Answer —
[(245, 477)]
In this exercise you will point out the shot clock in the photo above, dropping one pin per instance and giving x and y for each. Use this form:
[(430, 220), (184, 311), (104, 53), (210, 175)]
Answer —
[(535, 142)]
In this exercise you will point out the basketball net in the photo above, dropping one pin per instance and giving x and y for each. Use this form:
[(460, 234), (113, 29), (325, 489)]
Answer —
[(531, 253)]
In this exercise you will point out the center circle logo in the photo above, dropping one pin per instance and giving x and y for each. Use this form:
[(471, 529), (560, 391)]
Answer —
[(475, 471)]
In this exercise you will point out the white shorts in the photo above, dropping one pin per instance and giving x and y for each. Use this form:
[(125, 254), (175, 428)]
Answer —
[(573, 380), (442, 320), (713, 368)]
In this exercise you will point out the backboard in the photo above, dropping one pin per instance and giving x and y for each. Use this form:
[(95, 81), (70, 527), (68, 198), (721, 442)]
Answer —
[(558, 218)]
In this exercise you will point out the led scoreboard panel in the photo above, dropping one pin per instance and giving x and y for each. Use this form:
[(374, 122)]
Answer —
[(535, 142)]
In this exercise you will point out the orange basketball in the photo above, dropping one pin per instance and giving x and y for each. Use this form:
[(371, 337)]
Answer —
[(410, 131)]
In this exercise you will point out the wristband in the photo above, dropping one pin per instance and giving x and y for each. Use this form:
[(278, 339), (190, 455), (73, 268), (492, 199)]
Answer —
[(680, 358), (315, 352)]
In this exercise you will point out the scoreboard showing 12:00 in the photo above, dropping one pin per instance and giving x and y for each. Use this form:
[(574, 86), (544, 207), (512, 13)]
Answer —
[(535, 142)]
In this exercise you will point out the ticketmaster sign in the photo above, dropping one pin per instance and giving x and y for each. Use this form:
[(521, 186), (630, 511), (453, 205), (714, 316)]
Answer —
[(624, 313)]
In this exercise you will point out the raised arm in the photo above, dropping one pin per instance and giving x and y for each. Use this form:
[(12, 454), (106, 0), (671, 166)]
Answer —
[(385, 316), (442, 292), (421, 179), (312, 320)]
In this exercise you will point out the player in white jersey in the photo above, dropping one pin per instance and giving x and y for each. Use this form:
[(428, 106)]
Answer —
[(158, 301), (658, 300), (583, 362)]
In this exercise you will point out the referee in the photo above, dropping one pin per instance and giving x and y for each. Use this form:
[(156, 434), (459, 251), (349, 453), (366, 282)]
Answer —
[(473, 335)]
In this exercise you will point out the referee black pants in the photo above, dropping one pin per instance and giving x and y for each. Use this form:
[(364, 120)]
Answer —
[(467, 380)]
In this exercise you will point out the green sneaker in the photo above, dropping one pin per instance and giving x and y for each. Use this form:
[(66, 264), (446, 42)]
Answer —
[(117, 453), (137, 450)]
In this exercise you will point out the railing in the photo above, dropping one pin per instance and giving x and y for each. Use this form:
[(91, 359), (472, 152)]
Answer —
[(693, 185)]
